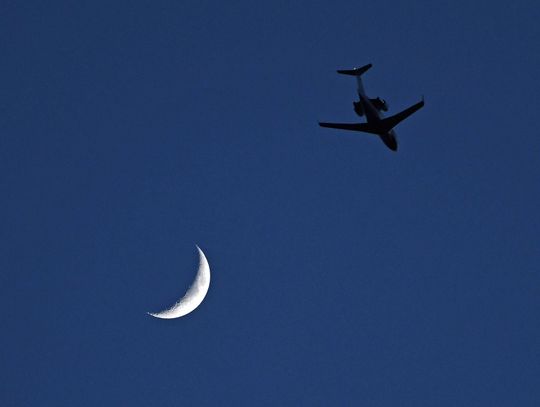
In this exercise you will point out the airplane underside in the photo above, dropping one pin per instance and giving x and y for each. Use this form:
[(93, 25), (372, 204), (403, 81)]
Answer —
[(371, 108), (382, 127)]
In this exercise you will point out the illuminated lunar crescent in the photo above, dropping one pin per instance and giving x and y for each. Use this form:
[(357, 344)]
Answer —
[(193, 296)]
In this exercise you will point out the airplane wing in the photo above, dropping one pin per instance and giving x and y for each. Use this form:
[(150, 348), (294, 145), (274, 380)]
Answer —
[(392, 121), (365, 127)]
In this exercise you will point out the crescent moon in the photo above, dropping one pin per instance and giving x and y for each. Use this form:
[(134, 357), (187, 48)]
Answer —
[(193, 296)]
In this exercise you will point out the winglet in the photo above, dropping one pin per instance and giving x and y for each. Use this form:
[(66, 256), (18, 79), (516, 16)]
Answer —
[(355, 71)]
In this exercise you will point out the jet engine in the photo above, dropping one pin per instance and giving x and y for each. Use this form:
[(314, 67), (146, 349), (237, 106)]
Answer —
[(379, 104)]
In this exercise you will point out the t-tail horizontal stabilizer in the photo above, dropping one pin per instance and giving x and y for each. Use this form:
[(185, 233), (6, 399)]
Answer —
[(355, 71)]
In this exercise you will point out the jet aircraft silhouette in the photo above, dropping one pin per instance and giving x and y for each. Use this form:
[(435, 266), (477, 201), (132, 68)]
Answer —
[(371, 108)]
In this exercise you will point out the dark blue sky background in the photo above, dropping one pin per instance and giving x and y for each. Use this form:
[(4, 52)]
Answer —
[(342, 273)]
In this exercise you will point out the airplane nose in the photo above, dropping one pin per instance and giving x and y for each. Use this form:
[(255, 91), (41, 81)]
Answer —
[(391, 143)]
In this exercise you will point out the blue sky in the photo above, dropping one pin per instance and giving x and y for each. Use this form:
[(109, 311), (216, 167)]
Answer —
[(342, 273)]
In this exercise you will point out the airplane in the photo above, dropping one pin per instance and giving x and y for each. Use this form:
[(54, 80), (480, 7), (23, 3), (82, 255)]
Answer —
[(371, 108)]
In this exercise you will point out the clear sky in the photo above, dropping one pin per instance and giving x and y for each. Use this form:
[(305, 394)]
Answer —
[(342, 273)]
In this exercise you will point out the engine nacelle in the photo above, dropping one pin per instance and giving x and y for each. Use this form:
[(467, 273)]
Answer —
[(359, 110), (379, 104)]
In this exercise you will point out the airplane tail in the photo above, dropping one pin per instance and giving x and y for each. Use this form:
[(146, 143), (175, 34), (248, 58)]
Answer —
[(355, 71)]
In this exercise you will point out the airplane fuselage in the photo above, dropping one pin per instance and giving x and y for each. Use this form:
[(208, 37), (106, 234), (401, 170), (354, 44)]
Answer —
[(374, 116)]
